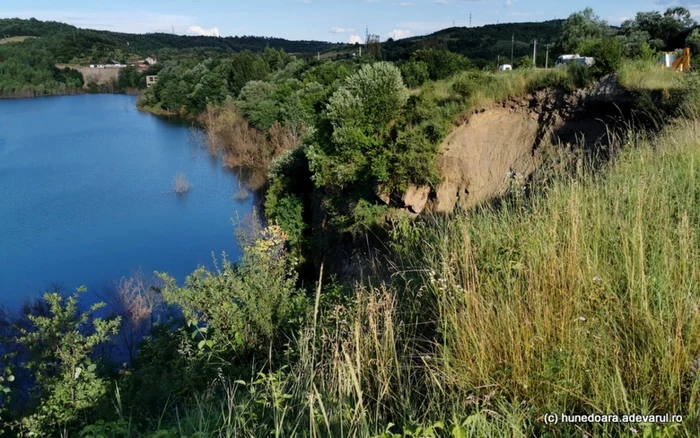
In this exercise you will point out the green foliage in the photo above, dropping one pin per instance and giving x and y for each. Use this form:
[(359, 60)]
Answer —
[(523, 62), (693, 42), (328, 73), (129, 78), (245, 307), (358, 115), (27, 69), (59, 346), (607, 53), (188, 87), (441, 63), (481, 44), (67, 42), (665, 31), (288, 200), (415, 73), (579, 27)]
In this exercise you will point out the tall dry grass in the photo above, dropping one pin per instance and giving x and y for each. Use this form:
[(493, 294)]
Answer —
[(584, 299), (240, 144), (641, 75)]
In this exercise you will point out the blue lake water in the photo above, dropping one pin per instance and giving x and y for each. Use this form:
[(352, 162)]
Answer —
[(86, 196)]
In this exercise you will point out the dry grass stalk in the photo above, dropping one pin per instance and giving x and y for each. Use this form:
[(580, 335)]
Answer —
[(181, 185)]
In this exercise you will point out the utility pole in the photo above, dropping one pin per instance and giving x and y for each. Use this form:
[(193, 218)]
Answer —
[(512, 46), (534, 55), (470, 19), (318, 55), (546, 57)]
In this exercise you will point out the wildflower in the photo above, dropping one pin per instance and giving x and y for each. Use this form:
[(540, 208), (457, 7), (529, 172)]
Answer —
[(582, 318), (634, 431), (597, 279)]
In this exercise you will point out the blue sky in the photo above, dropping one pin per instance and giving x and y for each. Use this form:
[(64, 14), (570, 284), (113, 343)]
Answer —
[(328, 20)]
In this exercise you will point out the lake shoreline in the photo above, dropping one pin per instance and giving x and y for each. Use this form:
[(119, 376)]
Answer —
[(130, 92)]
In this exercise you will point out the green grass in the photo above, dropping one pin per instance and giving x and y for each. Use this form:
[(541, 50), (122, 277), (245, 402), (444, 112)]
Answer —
[(640, 75), (15, 39)]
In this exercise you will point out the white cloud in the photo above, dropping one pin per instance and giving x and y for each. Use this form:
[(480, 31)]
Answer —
[(336, 29), (398, 34), (199, 30), (441, 2), (355, 39)]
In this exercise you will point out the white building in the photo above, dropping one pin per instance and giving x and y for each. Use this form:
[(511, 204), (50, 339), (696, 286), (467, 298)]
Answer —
[(151, 60), (567, 59)]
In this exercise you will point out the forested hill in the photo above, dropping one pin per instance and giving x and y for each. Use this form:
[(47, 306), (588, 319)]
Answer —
[(67, 42), (484, 43)]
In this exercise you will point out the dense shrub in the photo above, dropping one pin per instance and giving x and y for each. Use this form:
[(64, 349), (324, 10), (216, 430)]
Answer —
[(607, 53), (245, 307), (356, 129), (415, 73), (441, 63)]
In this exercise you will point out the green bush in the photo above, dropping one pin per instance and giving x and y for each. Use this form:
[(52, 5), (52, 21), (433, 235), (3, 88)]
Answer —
[(245, 307), (607, 53), (356, 127), (581, 75), (415, 73), (59, 347), (441, 63)]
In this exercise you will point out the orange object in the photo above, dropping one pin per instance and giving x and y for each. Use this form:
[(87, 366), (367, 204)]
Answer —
[(682, 63)]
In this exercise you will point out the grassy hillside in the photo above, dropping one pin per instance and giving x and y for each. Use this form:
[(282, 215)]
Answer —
[(68, 42), (481, 43)]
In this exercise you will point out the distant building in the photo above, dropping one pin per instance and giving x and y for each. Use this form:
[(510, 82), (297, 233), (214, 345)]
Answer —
[(151, 60), (567, 59), (151, 80), (141, 66)]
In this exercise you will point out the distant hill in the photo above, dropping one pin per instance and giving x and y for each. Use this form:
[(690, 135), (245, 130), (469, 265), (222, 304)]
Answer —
[(67, 42), (485, 43)]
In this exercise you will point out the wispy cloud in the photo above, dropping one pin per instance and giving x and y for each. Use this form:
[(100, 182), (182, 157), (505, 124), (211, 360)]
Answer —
[(336, 29)]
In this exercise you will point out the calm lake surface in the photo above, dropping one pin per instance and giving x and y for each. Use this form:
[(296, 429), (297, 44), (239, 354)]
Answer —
[(86, 196)]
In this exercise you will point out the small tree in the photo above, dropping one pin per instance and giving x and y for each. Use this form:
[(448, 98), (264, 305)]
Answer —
[(355, 129), (59, 347)]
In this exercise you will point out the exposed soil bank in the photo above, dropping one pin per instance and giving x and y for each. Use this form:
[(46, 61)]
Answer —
[(490, 145)]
